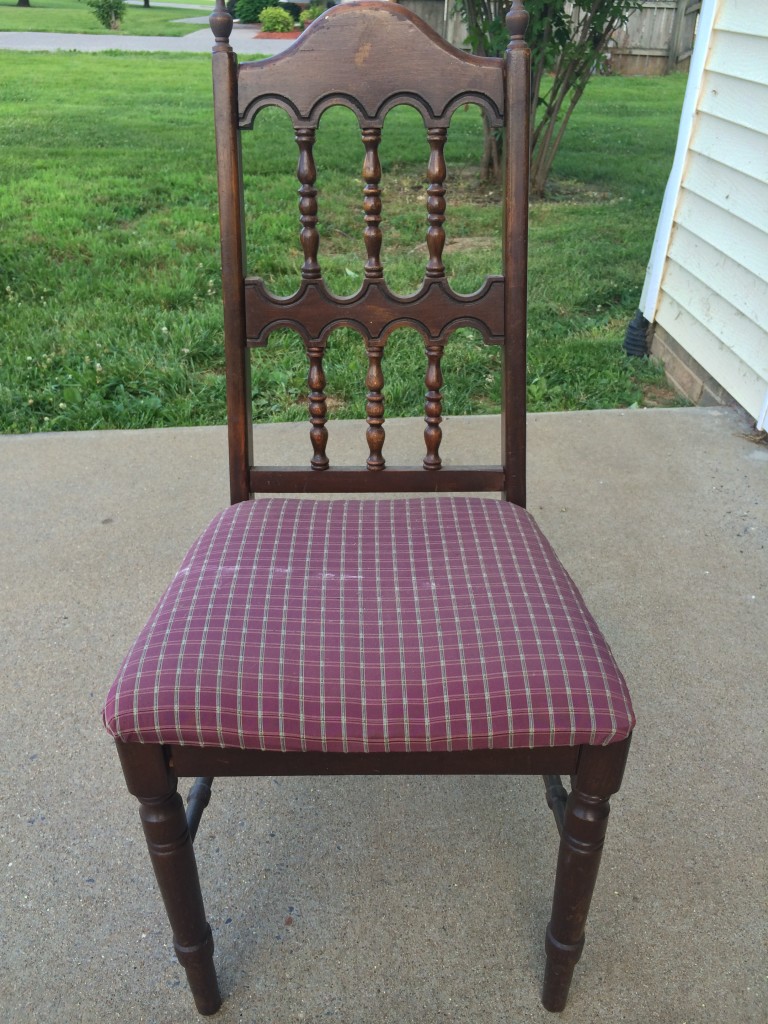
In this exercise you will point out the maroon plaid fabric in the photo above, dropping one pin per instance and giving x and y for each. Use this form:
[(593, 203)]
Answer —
[(408, 624)]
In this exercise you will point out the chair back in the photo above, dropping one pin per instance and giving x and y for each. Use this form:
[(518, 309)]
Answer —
[(371, 56)]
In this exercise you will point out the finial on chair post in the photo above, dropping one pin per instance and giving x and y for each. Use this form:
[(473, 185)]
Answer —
[(221, 22), (517, 23)]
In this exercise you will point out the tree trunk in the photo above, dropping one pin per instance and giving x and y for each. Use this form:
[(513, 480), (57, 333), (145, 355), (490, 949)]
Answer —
[(22, 3), (490, 166), (568, 41)]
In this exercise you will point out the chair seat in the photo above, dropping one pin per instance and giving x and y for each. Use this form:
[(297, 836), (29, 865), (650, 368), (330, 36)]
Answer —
[(352, 625)]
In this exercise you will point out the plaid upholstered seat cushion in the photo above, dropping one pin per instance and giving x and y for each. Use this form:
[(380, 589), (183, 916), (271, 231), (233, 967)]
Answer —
[(407, 624)]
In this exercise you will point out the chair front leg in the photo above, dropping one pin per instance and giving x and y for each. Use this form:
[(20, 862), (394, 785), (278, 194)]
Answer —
[(581, 846), (173, 859)]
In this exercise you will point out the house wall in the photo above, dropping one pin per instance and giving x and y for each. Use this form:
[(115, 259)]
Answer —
[(712, 301)]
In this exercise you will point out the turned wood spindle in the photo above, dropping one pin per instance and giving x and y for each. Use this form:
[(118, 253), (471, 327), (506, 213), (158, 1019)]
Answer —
[(433, 407), (372, 202), (436, 172), (318, 432), (374, 407), (517, 23), (581, 846), (221, 22), (170, 849), (307, 174)]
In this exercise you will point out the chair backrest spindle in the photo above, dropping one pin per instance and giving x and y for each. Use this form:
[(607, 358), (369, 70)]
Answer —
[(372, 202), (436, 172), (307, 175)]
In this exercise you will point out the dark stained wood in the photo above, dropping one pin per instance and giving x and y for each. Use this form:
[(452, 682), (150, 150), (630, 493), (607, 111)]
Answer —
[(370, 56), (230, 184), (557, 797), (436, 171), (307, 175), (372, 202), (189, 761), (597, 778), (517, 133), (351, 480), (318, 433), (433, 406), (380, 57), (198, 799), (374, 407), (374, 311), (173, 858)]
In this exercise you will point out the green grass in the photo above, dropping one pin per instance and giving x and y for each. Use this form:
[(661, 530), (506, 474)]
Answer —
[(109, 270), (74, 16)]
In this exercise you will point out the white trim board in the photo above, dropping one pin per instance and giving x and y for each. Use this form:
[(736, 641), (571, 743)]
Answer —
[(762, 419), (655, 271)]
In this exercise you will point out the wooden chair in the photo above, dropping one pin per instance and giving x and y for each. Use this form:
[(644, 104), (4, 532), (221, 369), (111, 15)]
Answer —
[(432, 634)]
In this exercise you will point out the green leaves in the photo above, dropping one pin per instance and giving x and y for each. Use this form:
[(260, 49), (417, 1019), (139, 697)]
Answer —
[(567, 44), (109, 12)]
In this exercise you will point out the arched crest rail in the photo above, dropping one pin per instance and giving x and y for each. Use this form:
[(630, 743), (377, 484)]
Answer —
[(380, 45)]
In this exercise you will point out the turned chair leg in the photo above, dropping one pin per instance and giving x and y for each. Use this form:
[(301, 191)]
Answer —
[(581, 846), (173, 859)]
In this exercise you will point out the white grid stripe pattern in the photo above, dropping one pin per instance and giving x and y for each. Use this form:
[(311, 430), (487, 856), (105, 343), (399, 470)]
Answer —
[(457, 629), (362, 624), (249, 592), (378, 511), (342, 620), (418, 620), (276, 508), (398, 585)]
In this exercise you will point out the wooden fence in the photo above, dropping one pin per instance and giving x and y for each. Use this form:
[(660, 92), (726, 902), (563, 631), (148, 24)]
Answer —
[(658, 38)]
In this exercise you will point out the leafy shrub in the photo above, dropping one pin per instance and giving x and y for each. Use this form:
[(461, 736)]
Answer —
[(293, 9), (109, 12), (275, 19), (310, 14), (249, 11)]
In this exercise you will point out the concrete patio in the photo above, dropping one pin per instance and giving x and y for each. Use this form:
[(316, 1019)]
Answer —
[(392, 901)]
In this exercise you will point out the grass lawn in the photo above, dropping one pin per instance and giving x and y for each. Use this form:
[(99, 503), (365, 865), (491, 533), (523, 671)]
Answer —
[(75, 16), (109, 273)]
